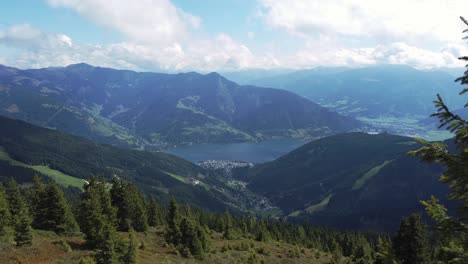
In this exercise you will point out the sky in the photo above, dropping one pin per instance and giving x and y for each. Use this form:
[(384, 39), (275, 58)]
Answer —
[(230, 35)]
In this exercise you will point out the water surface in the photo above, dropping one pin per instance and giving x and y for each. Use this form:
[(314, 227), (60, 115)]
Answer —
[(251, 152)]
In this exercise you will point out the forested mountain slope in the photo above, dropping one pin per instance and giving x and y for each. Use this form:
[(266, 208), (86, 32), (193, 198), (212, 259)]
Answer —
[(353, 180), (26, 150)]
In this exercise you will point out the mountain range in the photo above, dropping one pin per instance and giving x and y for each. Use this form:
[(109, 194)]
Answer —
[(155, 110), (388, 90), (393, 98)]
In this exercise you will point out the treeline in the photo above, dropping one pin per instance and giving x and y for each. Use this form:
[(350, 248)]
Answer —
[(106, 209)]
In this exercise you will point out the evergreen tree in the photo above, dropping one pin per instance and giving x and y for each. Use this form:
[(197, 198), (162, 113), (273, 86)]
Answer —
[(191, 238), (5, 216), (384, 252), (130, 204), (140, 216), (15, 200), (410, 244), (263, 234), (228, 232), (21, 219), (105, 246), (51, 210), (122, 203), (95, 211), (131, 254), (203, 237), (154, 213), (337, 254), (454, 230), (172, 235), (363, 254), (39, 204), (22, 224)]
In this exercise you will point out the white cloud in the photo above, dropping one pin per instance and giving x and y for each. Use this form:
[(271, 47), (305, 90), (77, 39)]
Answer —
[(415, 21), (35, 48), (158, 36), (141, 21), (24, 35), (393, 53), (362, 32)]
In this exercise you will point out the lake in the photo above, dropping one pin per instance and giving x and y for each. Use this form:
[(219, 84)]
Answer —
[(250, 152)]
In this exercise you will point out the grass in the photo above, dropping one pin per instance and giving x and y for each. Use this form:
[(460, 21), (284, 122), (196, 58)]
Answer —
[(4, 155), (187, 181), (368, 175), (317, 207), (295, 213), (49, 247), (177, 177), (313, 208), (226, 251), (59, 177)]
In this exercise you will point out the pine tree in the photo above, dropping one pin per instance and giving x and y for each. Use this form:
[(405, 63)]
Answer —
[(95, 211), (228, 232), (130, 204), (140, 216), (105, 246), (363, 254), (15, 200), (21, 219), (203, 237), (191, 238), (39, 204), (154, 213), (5, 216), (411, 244), (384, 252), (453, 230), (51, 210), (121, 202), (131, 254), (22, 224), (172, 235), (263, 234), (337, 254)]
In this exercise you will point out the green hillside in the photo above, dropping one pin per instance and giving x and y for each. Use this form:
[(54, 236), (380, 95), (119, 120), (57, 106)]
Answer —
[(27, 150), (369, 180)]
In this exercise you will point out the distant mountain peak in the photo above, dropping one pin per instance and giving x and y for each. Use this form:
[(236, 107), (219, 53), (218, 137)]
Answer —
[(213, 74), (80, 65)]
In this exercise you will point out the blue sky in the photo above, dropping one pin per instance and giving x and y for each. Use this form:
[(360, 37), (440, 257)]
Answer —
[(180, 35)]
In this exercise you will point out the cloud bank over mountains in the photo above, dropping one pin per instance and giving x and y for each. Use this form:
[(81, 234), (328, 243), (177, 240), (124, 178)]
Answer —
[(157, 35)]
